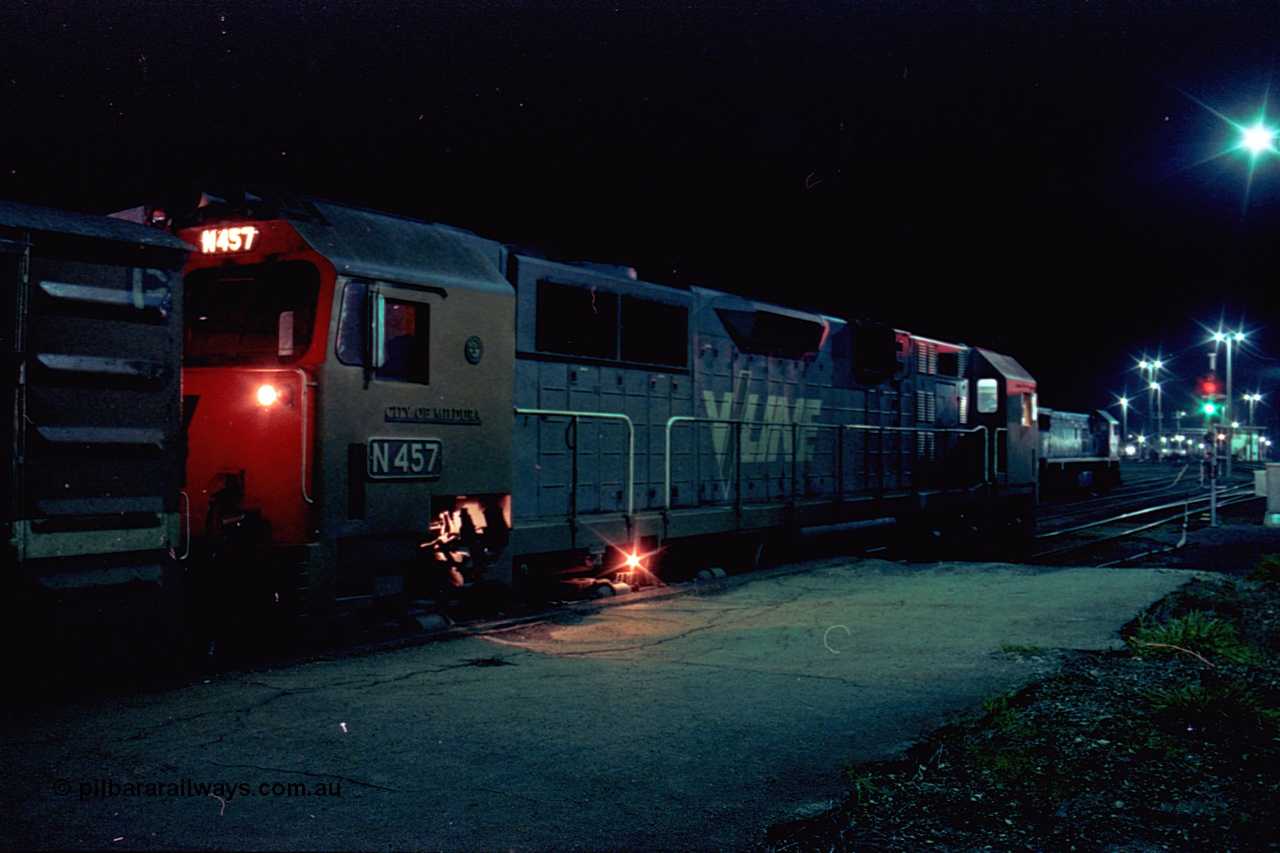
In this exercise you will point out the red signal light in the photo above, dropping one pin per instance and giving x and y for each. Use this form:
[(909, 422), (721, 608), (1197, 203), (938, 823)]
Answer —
[(1209, 387)]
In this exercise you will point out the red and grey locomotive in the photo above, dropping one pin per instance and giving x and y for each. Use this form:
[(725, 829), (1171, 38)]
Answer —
[(381, 409)]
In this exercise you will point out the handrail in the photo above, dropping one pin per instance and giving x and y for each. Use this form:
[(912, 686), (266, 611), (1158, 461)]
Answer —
[(986, 445), (631, 441), (184, 529), (302, 404), (675, 419), (995, 456)]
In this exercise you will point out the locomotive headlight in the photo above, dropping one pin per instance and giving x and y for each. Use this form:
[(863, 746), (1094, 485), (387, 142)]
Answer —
[(274, 395), (633, 561)]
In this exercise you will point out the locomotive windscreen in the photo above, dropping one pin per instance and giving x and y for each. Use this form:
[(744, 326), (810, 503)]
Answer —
[(253, 315)]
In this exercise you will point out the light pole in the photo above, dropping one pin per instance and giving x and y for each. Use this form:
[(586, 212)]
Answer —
[(1229, 338), (1151, 371), (1124, 423), (1253, 400), (1155, 386)]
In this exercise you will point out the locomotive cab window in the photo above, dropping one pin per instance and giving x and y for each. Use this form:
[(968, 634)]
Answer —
[(988, 396), (405, 339), (255, 314), (1028, 409), (389, 336)]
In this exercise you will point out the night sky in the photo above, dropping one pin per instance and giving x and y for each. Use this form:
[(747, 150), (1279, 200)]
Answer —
[(1048, 178)]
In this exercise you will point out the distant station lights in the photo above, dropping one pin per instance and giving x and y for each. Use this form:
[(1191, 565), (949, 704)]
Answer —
[(1257, 139), (1229, 337)]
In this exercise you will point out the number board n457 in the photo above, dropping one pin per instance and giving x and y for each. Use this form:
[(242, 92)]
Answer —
[(392, 458)]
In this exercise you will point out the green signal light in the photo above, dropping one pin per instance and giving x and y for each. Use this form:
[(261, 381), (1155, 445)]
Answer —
[(1210, 408)]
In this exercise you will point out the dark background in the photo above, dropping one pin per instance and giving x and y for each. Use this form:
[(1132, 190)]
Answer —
[(1050, 179)]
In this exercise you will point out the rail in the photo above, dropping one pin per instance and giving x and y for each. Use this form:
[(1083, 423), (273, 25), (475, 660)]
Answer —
[(1051, 557)]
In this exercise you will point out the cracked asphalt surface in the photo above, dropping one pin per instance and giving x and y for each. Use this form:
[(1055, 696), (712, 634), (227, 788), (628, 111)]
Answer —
[(683, 722)]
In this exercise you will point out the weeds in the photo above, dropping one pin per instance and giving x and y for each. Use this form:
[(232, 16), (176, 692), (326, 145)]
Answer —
[(1000, 708), (1196, 633), (1267, 570), (862, 789), (1215, 707), (1000, 745), (1216, 704)]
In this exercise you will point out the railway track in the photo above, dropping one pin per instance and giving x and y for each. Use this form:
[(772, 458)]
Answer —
[(1149, 519), (1140, 490)]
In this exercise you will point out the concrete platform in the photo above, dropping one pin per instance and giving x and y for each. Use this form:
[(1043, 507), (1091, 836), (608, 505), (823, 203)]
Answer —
[(688, 722)]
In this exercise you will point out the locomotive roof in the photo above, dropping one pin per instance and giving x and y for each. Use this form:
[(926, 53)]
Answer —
[(724, 298), (1008, 366), (49, 221), (395, 248)]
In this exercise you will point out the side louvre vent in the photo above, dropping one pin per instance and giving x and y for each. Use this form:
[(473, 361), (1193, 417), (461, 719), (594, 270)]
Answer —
[(926, 407), (926, 416), (926, 358)]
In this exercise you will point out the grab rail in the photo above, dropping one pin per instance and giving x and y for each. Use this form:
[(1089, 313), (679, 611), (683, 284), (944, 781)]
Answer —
[(795, 444), (631, 441)]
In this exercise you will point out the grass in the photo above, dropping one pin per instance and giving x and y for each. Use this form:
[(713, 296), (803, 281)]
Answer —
[(1215, 707), (1198, 633), (1000, 710), (862, 787), (1267, 569)]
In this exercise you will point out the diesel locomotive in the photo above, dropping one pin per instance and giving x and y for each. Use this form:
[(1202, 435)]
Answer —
[(1078, 452), (296, 412), (380, 410)]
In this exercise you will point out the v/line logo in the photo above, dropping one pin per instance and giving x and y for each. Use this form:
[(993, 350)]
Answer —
[(764, 434)]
